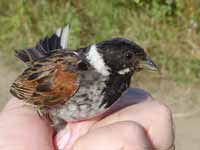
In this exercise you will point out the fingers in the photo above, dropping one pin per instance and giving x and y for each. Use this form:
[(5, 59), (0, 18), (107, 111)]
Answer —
[(154, 116), (67, 136), (22, 128), (126, 135), (72, 133)]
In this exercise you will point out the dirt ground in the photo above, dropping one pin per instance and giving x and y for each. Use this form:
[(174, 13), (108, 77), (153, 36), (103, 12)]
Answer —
[(178, 98)]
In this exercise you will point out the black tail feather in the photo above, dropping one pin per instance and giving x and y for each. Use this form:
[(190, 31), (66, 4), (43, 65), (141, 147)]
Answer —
[(44, 46)]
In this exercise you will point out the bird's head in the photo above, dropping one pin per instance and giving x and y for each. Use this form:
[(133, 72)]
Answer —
[(118, 55)]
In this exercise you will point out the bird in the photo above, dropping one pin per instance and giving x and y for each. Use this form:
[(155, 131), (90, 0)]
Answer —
[(78, 84)]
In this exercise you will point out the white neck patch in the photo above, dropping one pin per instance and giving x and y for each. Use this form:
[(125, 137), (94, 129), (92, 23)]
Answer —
[(96, 60), (124, 71)]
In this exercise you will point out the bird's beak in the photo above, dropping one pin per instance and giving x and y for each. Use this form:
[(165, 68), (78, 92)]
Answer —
[(148, 64)]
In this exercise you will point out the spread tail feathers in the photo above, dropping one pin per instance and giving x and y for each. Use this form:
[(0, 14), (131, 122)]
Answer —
[(56, 41)]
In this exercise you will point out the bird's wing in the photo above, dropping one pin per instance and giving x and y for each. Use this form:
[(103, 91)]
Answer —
[(58, 40), (49, 81)]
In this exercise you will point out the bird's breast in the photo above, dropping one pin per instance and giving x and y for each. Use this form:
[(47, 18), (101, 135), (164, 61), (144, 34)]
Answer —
[(87, 101)]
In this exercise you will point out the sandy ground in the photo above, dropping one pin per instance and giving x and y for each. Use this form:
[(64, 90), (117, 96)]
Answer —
[(7, 77), (186, 113), (188, 133)]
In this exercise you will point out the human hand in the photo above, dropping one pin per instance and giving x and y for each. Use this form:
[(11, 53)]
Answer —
[(146, 125)]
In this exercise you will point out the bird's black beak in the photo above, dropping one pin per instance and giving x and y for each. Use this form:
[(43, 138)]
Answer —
[(148, 64)]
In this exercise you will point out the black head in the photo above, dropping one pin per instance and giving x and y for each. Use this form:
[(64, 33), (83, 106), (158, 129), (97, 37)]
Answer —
[(119, 55)]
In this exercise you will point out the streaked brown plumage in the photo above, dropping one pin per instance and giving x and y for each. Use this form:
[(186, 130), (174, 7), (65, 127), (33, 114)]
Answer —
[(48, 81)]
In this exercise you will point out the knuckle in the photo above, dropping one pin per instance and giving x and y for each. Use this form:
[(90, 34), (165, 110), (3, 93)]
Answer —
[(161, 111), (131, 129), (133, 135)]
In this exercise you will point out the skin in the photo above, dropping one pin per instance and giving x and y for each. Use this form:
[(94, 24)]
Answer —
[(146, 125)]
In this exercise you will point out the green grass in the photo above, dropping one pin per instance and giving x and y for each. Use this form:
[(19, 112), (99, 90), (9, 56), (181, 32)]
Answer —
[(168, 33)]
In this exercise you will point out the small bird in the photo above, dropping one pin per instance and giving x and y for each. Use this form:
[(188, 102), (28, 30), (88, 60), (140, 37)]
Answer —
[(74, 85)]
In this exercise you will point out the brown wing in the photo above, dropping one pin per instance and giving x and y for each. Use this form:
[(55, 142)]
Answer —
[(49, 81)]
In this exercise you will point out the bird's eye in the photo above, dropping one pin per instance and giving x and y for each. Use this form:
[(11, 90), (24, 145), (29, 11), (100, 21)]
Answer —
[(129, 55)]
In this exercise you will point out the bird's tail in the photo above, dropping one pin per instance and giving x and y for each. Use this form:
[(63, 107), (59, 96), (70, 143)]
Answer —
[(57, 40)]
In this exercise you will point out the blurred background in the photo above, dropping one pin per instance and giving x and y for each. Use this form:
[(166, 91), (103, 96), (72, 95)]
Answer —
[(169, 30)]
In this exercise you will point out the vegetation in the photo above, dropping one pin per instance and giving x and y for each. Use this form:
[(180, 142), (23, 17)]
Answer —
[(168, 29)]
